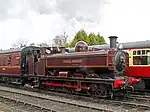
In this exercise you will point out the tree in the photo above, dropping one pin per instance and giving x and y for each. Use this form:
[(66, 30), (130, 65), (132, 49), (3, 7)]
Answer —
[(90, 39), (66, 44), (80, 36), (20, 43), (60, 40), (100, 39)]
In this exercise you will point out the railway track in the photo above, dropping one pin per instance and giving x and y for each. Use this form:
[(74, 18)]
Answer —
[(49, 103), (61, 102), (11, 106), (139, 98)]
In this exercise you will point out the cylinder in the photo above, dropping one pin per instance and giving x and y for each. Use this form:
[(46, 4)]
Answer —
[(113, 42)]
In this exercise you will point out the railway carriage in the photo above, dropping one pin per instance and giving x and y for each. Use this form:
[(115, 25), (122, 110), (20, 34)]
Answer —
[(99, 73), (10, 62), (139, 66)]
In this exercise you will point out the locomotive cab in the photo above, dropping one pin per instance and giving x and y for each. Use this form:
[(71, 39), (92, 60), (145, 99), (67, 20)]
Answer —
[(29, 59)]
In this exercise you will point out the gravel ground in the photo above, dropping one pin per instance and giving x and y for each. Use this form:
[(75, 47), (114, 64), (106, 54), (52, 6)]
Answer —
[(9, 106)]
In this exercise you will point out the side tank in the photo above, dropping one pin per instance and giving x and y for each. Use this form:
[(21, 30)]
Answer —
[(99, 62)]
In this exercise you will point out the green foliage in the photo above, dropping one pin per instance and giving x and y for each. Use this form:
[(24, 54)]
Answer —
[(90, 39), (100, 39), (66, 44), (81, 35)]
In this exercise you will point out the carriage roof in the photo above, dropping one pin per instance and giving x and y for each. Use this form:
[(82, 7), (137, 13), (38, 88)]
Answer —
[(13, 50), (10, 50)]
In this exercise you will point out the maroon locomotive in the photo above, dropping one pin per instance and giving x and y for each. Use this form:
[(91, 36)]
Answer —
[(98, 73)]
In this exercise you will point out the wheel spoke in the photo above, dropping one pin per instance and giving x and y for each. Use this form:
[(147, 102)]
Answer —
[(98, 90)]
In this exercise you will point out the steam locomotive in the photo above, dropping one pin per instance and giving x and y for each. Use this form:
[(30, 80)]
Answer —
[(98, 73)]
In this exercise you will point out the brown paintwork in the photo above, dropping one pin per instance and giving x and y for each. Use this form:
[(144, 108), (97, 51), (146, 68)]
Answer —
[(31, 65), (42, 62), (10, 70), (94, 59), (78, 54), (81, 59), (41, 67), (110, 59), (14, 66)]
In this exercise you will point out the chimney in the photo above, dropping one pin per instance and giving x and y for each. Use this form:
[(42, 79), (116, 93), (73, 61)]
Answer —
[(113, 42)]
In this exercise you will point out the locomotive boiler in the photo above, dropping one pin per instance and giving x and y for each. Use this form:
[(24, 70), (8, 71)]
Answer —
[(99, 73)]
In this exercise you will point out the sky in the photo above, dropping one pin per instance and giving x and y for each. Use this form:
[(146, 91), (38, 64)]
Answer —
[(39, 21)]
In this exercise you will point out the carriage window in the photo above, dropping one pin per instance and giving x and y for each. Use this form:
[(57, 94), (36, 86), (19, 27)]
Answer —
[(134, 52), (17, 62), (9, 60), (4, 61), (138, 52), (148, 60), (140, 60), (143, 51), (147, 51)]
